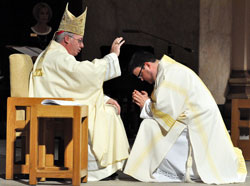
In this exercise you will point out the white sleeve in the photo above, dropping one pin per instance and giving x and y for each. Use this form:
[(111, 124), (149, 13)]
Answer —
[(113, 69), (146, 111)]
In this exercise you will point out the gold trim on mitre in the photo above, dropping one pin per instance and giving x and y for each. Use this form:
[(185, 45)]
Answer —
[(70, 23)]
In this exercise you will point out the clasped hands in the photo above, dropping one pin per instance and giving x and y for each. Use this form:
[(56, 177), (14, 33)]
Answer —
[(140, 97)]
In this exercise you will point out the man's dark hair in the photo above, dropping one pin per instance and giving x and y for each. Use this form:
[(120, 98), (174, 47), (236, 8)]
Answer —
[(139, 58)]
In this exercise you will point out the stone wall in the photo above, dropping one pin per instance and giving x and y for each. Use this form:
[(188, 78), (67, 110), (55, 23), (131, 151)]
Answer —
[(175, 21)]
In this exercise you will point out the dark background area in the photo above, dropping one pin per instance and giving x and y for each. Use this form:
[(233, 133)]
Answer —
[(16, 18)]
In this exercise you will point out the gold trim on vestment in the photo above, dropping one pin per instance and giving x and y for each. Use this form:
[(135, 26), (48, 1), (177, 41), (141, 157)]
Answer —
[(38, 72)]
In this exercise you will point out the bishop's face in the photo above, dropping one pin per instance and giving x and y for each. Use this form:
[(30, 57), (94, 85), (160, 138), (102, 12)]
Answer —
[(75, 44)]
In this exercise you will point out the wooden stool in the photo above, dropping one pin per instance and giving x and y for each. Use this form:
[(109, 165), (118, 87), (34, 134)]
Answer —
[(238, 122), (78, 168)]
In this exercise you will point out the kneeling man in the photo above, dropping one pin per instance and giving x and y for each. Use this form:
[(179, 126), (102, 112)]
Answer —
[(183, 136)]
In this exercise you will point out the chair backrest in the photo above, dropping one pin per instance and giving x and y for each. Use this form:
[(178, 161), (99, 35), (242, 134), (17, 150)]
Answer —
[(20, 67)]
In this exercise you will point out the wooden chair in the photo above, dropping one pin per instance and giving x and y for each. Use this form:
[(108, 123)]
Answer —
[(79, 154), (18, 120), (240, 118)]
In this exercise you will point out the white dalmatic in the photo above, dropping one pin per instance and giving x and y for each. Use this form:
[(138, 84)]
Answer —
[(184, 112)]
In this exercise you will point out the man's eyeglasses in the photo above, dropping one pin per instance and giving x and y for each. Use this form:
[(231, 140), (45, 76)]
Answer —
[(80, 41), (139, 75)]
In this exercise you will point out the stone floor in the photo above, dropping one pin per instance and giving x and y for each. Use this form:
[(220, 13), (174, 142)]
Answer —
[(122, 180)]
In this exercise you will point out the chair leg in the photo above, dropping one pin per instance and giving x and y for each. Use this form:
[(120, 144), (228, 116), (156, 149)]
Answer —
[(10, 140), (10, 153), (77, 131), (33, 150), (68, 145), (84, 148)]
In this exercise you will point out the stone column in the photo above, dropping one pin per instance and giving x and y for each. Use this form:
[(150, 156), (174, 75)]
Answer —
[(239, 82), (215, 46)]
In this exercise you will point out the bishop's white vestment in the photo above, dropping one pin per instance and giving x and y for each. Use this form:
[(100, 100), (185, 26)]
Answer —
[(59, 74), (184, 113)]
